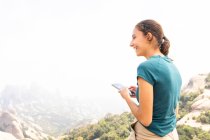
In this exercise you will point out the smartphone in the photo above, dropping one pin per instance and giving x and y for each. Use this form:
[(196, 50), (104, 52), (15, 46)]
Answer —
[(120, 86)]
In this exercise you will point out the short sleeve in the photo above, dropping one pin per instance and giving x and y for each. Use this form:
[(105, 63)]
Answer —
[(146, 71)]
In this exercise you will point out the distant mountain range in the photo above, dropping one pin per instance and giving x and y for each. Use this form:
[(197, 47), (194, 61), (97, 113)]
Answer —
[(51, 113), (35, 114)]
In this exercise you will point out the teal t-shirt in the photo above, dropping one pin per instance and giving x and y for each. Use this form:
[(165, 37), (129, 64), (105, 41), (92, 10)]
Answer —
[(163, 75)]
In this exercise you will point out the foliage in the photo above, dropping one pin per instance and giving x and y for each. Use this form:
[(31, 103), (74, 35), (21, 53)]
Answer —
[(111, 127), (204, 117), (186, 100), (112, 135), (191, 133)]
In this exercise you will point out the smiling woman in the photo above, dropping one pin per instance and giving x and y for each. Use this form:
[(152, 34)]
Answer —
[(159, 84), (154, 34)]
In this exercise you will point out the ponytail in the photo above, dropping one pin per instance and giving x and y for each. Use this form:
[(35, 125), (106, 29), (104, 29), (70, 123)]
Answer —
[(165, 45)]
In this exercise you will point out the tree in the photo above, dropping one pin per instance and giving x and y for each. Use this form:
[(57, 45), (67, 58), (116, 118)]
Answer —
[(110, 136), (191, 133)]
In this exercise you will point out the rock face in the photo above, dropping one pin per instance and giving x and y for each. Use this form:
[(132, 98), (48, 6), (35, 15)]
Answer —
[(200, 103), (10, 123), (196, 83)]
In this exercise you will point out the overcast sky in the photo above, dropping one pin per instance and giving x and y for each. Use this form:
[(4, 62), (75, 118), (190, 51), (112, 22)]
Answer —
[(82, 46)]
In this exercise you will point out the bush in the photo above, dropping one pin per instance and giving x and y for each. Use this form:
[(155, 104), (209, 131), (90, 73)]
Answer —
[(204, 117), (186, 100), (112, 127), (110, 136), (191, 133)]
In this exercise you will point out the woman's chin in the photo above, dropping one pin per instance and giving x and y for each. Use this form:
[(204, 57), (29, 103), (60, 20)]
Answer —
[(138, 54)]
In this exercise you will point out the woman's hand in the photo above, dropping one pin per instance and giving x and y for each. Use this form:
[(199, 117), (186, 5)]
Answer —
[(133, 90)]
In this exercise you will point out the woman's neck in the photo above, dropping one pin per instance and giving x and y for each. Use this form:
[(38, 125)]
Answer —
[(154, 53)]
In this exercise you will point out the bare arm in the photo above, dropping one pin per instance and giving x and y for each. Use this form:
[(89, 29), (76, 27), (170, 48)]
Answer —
[(142, 112)]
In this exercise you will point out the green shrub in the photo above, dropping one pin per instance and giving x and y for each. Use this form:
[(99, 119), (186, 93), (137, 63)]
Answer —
[(111, 127), (204, 117), (191, 133), (186, 100)]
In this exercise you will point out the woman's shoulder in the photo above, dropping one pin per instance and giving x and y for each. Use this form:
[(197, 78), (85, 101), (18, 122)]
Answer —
[(147, 63)]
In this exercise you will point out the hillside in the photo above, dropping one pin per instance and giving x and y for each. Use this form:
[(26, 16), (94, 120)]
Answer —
[(111, 127), (117, 127), (195, 101)]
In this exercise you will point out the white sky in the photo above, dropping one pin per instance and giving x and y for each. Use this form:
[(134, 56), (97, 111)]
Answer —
[(82, 46)]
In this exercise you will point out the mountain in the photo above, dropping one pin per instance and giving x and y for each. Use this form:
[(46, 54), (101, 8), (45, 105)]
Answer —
[(195, 101), (11, 124), (52, 113)]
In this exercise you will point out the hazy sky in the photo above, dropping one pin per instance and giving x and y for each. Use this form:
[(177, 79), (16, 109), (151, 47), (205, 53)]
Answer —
[(82, 46)]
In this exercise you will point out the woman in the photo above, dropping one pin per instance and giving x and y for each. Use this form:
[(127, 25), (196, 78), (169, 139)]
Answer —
[(159, 84)]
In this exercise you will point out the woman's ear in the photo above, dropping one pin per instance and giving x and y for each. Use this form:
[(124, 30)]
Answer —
[(149, 36)]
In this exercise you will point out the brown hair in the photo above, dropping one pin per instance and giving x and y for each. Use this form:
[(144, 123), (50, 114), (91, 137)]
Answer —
[(156, 30)]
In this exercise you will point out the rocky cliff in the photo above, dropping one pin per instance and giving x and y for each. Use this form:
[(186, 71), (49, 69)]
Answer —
[(12, 127)]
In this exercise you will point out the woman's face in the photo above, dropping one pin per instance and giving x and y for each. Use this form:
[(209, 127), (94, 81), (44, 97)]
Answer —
[(139, 42)]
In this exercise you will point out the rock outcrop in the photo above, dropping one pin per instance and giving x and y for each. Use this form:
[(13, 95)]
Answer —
[(202, 102), (11, 124), (195, 84)]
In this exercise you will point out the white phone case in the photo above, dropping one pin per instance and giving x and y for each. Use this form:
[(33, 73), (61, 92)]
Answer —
[(118, 86)]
